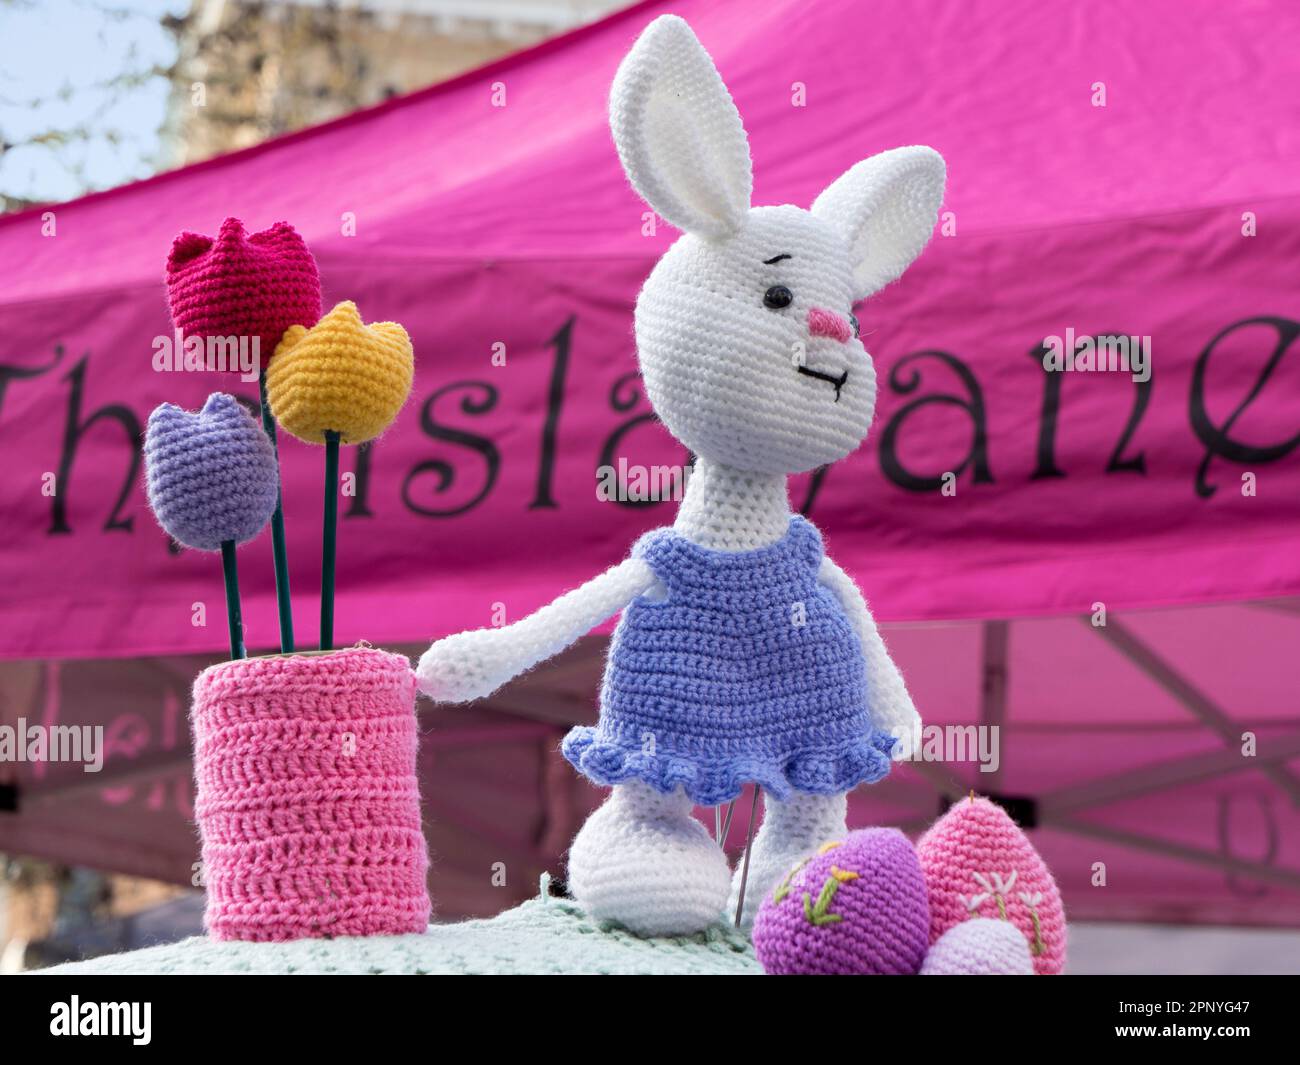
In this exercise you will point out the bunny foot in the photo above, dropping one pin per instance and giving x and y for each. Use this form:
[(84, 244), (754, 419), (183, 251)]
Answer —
[(791, 831), (643, 861)]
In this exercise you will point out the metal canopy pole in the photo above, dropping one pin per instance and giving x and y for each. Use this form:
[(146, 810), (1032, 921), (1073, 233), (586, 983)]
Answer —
[(1286, 877), (1162, 775), (993, 713), (1056, 808), (1192, 698), (993, 692)]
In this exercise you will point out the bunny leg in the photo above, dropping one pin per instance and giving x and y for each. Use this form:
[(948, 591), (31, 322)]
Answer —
[(642, 860), (791, 831)]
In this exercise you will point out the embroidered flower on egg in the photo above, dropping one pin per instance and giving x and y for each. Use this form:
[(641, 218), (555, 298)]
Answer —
[(995, 887)]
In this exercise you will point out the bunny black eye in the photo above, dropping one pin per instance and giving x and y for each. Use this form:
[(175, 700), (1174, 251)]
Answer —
[(778, 296), (853, 321)]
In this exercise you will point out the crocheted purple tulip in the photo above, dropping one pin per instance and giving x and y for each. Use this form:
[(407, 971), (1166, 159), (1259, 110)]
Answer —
[(856, 907), (212, 475)]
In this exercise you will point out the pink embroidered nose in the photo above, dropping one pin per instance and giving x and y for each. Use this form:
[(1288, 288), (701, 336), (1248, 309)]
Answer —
[(824, 323)]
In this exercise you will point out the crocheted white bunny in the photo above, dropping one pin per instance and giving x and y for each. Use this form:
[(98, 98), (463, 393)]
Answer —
[(743, 655)]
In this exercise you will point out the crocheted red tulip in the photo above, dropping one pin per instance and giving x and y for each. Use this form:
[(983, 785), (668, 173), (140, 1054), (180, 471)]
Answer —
[(238, 285), (977, 863)]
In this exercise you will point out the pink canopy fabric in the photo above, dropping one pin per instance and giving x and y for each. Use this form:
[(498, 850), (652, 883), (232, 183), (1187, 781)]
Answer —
[(1114, 169), (478, 225)]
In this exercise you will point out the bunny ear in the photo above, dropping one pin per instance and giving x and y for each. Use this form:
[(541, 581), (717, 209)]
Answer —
[(886, 206), (678, 132)]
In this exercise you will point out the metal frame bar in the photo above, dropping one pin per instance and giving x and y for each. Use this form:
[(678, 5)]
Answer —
[(1281, 606), (1185, 692), (993, 693), (1055, 808), (941, 778), (993, 712), (1160, 775), (1244, 866)]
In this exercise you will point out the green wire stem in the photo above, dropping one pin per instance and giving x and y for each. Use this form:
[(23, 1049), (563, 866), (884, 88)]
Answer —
[(233, 618), (284, 606), (330, 540)]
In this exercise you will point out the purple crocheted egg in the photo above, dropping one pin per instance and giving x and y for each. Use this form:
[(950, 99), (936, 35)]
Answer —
[(856, 907), (982, 946), (211, 475)]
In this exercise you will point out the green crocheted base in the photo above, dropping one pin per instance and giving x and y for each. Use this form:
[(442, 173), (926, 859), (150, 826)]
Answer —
[(544, 935)]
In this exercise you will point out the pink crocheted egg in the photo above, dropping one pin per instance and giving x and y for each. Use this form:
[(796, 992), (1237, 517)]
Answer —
[(240, 285), (980, 947), (978, 863), (856, 907)]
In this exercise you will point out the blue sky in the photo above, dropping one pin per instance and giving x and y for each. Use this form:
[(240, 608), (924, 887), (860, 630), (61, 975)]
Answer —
[(58, 55)]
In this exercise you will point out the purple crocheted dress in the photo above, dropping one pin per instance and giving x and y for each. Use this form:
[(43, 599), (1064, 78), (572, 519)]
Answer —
[(747, 671)]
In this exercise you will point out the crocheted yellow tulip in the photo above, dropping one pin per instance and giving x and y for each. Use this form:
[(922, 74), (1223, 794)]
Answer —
[(340, 375)]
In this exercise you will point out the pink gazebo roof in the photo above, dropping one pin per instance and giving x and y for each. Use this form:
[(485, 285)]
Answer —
[(1114, 168)]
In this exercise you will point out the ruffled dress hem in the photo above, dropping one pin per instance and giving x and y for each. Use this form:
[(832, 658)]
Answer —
[(830, 771)]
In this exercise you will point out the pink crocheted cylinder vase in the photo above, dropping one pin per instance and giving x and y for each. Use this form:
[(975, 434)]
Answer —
[(307, 797)]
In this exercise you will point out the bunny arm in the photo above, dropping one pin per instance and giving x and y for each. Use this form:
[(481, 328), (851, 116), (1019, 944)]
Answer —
[(891, 706), (470, 665)]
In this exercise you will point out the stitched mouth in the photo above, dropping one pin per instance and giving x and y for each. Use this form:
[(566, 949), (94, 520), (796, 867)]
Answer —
[(838, 382)]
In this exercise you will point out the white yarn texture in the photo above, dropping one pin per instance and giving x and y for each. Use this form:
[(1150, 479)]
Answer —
[(721, 366), (746, 348), (471, 665), (892, 709), (722, 369), (642, 860), (730, 510), (678, 133), (888, 203)]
